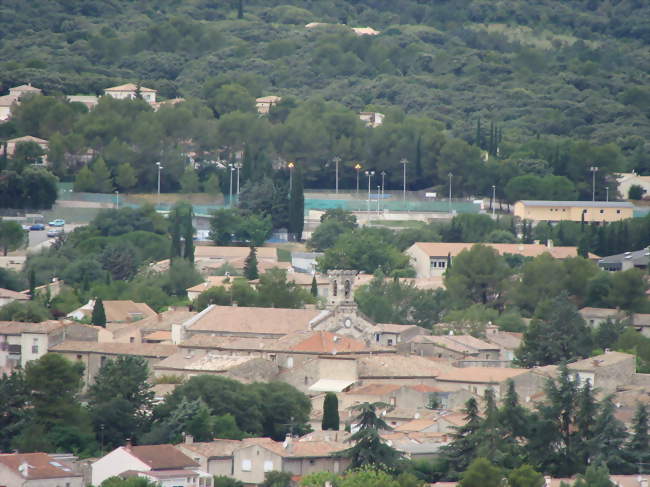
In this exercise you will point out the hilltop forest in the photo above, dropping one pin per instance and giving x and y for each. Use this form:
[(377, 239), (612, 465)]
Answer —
[(546, 88)]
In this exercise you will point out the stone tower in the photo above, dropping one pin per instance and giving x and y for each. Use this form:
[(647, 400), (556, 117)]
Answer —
[(341, 288)]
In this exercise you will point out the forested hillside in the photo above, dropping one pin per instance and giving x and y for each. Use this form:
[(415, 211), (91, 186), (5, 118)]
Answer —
[(550, 76)]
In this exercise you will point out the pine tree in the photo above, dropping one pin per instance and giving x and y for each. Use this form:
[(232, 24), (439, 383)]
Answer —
[(296, 205), (369, 448), (513, 418), (188, 236), (585, 418), (637, 451), (490, 434), (103, 182), (465, 441), (98, 317), (314, 286), (609, 435), (330, 412), (250, 265)]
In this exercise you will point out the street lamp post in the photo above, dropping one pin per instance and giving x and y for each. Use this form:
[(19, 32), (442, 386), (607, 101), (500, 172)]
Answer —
[(378, 198), (291, 165), (336, 160), (370, 174), (117, 200), (160, 168), (494, 193), (594, 170), (238, 166), (383, 187), (606, 193), (232, 170), (450, 176), (357, 167), (404, 162)]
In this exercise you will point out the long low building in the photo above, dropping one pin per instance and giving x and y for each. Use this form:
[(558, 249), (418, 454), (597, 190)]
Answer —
[(575, 211), (430, 259)]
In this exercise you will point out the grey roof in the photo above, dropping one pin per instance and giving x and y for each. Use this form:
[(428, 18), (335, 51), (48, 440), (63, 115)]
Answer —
[(638, 258), (590, 204)]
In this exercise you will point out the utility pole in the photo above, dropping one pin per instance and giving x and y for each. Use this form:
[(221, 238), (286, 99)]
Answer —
[(370, 174), (232, 169), (336, 160), (594, 170), (357, 167), (238, 166), (383, 175), (404, 162), (160, 168), (450, 176), (606, 193)]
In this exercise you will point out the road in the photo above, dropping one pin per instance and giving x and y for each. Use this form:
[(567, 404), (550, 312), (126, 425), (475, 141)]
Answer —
[(38, 239)]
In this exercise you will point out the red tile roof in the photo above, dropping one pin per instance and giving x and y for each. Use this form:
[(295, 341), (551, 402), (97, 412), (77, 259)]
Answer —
[(39, 466), (161, 457)]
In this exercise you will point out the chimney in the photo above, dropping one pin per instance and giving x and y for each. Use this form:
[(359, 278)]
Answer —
[(288, 445), (189, 439), (128, 444), (549, 243)]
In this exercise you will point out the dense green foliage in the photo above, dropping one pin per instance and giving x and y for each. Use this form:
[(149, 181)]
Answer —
[(259, 409), (565, 433), (453, 79), (272, 291), (12, 236)]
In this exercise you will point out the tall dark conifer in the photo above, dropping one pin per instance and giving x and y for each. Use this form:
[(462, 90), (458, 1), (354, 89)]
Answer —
[(330, 412), (188, 236), (98, 317), (250, 265), (296, 205)]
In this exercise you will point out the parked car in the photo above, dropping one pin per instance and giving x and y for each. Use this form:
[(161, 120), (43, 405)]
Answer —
[(57, 223), (25, 227), (37, 226), (54, 232)]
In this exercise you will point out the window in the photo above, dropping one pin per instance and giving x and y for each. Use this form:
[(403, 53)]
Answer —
[(79, 357), (246, 465), (390, 341), (290, 363), (102, 361), (35, 345), (268, 465), (618, 212), (131, 339), (442, 264), (602, 211)]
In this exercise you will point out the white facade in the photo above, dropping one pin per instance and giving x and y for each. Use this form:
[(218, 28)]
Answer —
[(114, 463)]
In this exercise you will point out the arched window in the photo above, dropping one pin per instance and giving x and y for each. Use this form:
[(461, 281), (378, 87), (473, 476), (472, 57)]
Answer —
[(347, 289), (335, 288)]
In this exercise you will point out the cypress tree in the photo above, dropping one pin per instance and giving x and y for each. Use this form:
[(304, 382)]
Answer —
[(478, 141), (98, 317), (250, 265), (32, 283), (188, 236), (314, 286), (175, 232), (296, 205), (330, 412)]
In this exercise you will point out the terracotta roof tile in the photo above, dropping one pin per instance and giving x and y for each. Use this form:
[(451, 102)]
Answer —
[(8, 293), (217, 252), (129, 87), (18, 327), (488, 375), (109, 348), (160, 457), (385, 365), (213, 449), (40, 466), (442, 249), (232, 319), (375, 389)]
